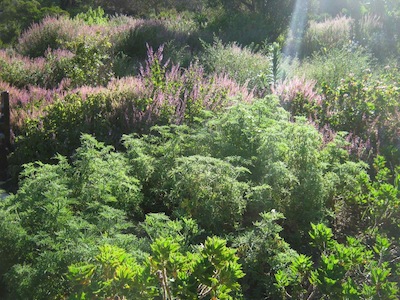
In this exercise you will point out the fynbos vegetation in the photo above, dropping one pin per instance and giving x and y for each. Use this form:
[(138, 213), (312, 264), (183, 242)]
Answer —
[(173, 150)]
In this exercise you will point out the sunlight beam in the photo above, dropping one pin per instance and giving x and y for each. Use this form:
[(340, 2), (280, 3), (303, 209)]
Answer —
[(297, 28)]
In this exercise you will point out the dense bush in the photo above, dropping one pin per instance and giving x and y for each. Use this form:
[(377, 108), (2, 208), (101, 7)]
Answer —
[(362, 107), (332, 66), (83, 206), (160, 94), (87, 203), (210, 193), (46, 72), (57, 218), (287, 169), (284, 169), (205, 186), (332, 33), (347, 269), (251, 21), (244, 64), (49, 33)]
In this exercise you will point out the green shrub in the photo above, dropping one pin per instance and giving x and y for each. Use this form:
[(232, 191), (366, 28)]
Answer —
[(263, 252), (133, 41), (167, 273), (91, 63), (351, 270), (244, 64), (60, 214), (93, 16), (292, 167), (205, 188), (327, 35), (153, 157), (332, 66), (103, 178), (50, 33), (158, 95), (288, 171)]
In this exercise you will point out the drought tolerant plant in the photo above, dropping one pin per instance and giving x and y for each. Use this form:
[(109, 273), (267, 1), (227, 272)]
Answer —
[(103, 177), (91, 63), (93, 16), (205, 187), (153, 156), (326, 35), (288, 170), (367, 109), (285, 162), (263, 252), (23, 72), (299, 96), (210, 270), (244, 64), (60, 214), (160, 94), (332, 66), (348, 270), (49, 33), (364, 107), (181, 95), (292, 166)]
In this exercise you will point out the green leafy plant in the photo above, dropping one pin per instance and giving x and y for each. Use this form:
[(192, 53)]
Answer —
[(245, 64), (93, 16), (339, 270), (206, 187), (263, 254), (326, 35), (91, 64), (113, 273), (380, 199), (61, 213), (211, 270), (330, 67)]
